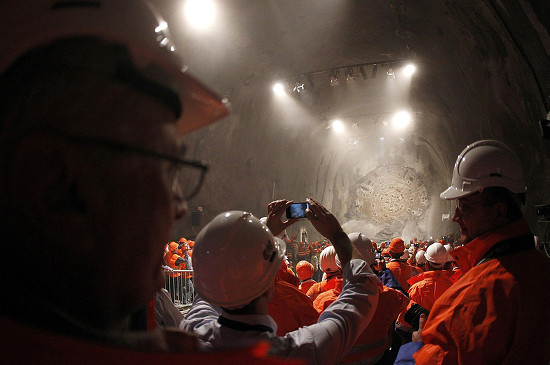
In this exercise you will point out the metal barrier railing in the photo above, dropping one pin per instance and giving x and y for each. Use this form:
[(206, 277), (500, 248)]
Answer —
[(179, 284)]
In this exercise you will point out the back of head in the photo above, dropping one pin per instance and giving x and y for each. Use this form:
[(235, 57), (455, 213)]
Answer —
[(397, 246), (436, 255), (363, 246), (304, 270), (235, 259), (328, 261), (420, 257)]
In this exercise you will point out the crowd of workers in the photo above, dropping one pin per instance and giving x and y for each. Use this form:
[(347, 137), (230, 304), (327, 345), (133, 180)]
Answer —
[(94, 108)]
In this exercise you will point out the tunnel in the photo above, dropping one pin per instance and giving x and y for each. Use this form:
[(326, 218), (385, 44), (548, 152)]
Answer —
[(332, 132)]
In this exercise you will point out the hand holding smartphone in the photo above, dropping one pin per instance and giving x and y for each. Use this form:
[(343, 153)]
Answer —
[(296, 210)]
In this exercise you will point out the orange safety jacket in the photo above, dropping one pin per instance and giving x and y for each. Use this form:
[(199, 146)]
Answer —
[(303, 249), (326, 298), (427, 287), (51, 348), (402, 272), (290, 308), (497, 312), (375, 339), (323, 286), (305, 285)]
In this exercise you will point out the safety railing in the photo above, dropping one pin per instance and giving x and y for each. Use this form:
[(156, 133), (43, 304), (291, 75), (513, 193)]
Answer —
[(179, 284)]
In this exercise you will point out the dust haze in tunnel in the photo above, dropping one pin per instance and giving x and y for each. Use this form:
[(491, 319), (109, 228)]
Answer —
[(483, 72)]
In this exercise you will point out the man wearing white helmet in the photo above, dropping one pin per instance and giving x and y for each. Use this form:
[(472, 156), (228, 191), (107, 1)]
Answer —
[(497, 311), (94, 104), (332, 269), (233, 291), (426, 287)]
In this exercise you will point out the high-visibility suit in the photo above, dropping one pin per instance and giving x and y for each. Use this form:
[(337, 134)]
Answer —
[(305, 285), (375, 339), (290, 308), (497, 312), (402, 272), (322, 286), (427, 287)]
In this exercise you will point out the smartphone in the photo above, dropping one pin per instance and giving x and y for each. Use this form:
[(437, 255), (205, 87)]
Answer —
[(296, 210)]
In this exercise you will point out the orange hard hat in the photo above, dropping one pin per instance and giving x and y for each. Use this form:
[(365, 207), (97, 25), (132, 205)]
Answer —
[(172, 246), (374, 245), (397, 245), (304, 270)]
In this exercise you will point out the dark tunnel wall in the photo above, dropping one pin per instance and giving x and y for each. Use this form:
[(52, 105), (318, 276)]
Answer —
[(483, 72)]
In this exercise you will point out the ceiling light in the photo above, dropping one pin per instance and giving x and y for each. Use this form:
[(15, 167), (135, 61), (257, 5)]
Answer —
[(337, 126), (298, 87), (409, 69), (390, 73), (349, 75), (374, 70), (200, 13), (401, 119), (334, 77), (278, 88)]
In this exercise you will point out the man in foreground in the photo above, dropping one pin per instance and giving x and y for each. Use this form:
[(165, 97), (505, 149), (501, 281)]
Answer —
[(93, 108), (232, 309), (496, 313)]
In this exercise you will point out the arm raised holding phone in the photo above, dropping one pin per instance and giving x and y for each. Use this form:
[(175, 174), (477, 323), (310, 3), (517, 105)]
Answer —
[(324, 222)]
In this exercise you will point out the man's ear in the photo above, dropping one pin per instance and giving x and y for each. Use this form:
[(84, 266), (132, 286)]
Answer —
[(44, 189), (500, 210)]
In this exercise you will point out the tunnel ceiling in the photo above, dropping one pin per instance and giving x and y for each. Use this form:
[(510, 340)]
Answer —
[(483, 72)]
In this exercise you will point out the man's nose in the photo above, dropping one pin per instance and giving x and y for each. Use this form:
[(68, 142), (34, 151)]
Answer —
[(456, 216)]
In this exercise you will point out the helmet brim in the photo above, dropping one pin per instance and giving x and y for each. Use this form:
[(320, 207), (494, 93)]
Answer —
[(453, 193)]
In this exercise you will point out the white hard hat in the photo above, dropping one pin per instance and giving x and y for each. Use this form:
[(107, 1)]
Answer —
[(135, 24), (420, 257), (448, 248), (436, 254), (329, 261), (363, 246), (235, 259), (484, 164)]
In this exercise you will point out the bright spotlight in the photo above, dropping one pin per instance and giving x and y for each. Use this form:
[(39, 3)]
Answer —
[(401, 119), (338, 126), (409, 69), (200, 13), (278, 88)]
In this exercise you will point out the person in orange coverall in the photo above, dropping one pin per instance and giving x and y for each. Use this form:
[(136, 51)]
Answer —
[(373, 342), (497, 312), (304, 271), (289, 307), (330, 264), (399, 268), (430, 285)]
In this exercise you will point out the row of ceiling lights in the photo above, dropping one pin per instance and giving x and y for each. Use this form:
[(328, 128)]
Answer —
[(351, 73), (399, 121)]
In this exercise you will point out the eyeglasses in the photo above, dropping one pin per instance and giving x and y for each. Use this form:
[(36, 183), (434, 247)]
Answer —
[(465, 208), (186, 177)]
